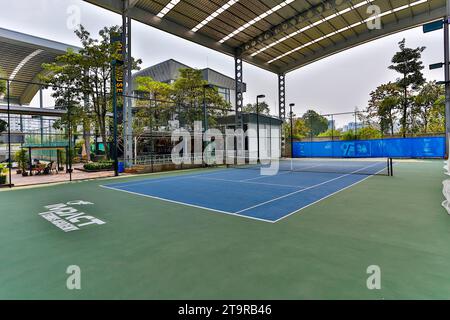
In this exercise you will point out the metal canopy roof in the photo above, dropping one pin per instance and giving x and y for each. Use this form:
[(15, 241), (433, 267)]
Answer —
[(278, 35), (21, 57)]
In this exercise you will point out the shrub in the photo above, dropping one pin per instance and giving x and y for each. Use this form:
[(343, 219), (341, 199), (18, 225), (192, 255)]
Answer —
[(3, 172), (21, 157), (103, 165)]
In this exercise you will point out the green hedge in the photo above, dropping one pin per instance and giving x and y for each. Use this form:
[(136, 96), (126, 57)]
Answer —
[(103, 165)]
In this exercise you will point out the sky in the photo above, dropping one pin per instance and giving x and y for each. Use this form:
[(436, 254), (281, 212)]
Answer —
[(339, 83)]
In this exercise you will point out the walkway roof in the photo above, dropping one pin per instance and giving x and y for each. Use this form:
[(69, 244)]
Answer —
[(21, 58), (279, 35)]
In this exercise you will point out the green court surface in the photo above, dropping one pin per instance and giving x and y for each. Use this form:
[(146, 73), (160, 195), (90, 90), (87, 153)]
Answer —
[(151, 249)]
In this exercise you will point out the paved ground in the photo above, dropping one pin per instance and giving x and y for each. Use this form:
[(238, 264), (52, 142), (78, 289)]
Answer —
[(152, 249), (19, 180)]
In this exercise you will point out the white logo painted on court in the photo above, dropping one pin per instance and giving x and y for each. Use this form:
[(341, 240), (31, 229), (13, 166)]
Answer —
[(74, 280), (79, 203), (374, 280), (67, 218)]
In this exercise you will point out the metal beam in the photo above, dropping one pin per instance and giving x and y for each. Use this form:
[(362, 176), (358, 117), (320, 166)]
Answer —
[(132, 3), (370, 35), (178, 30), (31, 111)]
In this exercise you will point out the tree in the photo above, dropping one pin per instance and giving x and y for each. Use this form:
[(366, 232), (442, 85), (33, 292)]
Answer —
[(315, 122), (369, 132), (424, 102), (383, 106), (407, 63), (149, 112), (2, 82), (3, 125), (86, 78), (331, 133), (299, 128), (187, 90), (252, 108), (436, 123), (188, 93)]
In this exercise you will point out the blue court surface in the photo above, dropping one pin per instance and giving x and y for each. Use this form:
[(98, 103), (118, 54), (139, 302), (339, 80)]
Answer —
[(249, 194)]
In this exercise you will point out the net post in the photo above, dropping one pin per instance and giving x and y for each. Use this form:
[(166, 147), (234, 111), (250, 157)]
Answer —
[(391, 166), (388, 167)]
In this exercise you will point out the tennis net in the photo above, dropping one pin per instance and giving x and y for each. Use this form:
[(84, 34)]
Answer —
[(362, 166)]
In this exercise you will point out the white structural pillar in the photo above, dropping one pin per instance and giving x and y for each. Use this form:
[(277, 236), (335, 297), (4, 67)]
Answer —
[(447, 77), (127, 84)]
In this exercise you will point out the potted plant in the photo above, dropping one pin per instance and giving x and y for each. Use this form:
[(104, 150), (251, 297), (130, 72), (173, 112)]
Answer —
[(62, 158), (3, 173), (22, 161)]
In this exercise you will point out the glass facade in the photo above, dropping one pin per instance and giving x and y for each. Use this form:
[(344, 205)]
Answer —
[(225, 93)]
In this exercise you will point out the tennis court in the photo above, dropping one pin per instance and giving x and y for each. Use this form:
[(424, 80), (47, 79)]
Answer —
[(296, 184), (154, 249)]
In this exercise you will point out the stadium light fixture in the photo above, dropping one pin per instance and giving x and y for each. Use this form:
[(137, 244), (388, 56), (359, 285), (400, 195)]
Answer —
[(167, 8), (223, 8), (255, 20), (413, 4)]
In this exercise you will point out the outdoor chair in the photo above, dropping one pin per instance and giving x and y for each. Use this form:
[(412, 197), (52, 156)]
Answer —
[(53, 167)]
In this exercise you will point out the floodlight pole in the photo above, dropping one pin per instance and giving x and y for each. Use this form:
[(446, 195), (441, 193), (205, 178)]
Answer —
[(116, 162), (292, 129), (257, 126), (69, 111), (282, 107), (9, 132), (257, 123), (205, 116), (127, 85)]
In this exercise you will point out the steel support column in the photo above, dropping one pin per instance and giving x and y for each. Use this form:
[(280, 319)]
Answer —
[(127, 85), (239, 91), (447, 78), (282, 96), (282, 109)]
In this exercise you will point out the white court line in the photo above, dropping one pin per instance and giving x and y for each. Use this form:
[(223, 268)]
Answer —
[(328, 196), (305, 189), (188, 204), (172, 178), (237, 214), (262, 177), (249, 182)]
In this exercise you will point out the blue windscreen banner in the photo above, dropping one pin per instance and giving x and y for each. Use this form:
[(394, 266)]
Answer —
[(423, 147)]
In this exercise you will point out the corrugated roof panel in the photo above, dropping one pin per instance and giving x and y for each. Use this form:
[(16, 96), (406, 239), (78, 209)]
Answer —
[(189, 13), (22, 55)]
